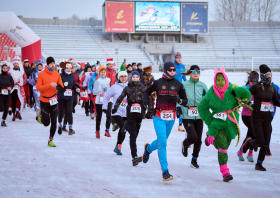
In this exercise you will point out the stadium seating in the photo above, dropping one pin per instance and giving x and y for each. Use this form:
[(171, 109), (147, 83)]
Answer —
[(6, 41)]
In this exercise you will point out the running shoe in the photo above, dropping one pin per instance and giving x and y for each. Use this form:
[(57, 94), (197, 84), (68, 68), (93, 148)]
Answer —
[(166, 176), (59, 131), (97, 133), (268, 153), (250, 159), (51, 144), (194, 164), (136, 160), (184, 150), (3, 124), (14, 118), (18, 116), (64, 129), (10, 112), (40, 118), (107, 133), (146, 154), (71, 132), (241, 158), (259, 167), (117, 149), (227, 177), (115, 127)]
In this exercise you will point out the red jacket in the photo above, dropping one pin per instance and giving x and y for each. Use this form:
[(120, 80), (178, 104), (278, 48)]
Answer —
[(111, 75), (76, 79)]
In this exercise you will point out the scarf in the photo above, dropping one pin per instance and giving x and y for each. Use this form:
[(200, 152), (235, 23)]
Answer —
[(167, 77), (265, 80), (220, 92), (51, 70)]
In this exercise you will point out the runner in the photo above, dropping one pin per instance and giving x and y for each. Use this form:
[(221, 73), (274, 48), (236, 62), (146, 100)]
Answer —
[(129, 71), (263, 93), (168, 89), (180, 68), (6, 85), (224, 99), (134, 93), (48, 82), (27, 70), (93, 97), (101, 85), (195, 90), (253, 78), (77, 84), (84, 92), (66, 98), (119, 117)]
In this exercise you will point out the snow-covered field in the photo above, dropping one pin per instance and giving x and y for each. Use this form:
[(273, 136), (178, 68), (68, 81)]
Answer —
[(83, 166)]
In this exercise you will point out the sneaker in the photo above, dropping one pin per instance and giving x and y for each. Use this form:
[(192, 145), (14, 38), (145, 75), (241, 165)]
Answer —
[(51, 144), (227, 177), (246, 145), (87, 114), (92, 116), (115, 127), (146, 154), (97, 133), (181, 128), (268, 153), (250, 159), (18, 116), (117, 149), (10, 112), (3, 124), (184, 150), (259, 167), (64, 129), (166, 176), (59, 131), (40, 118), (241, 158), (14, 118), (107, 133), (71, 132), (136, 160), (194, 164), (36, 118)]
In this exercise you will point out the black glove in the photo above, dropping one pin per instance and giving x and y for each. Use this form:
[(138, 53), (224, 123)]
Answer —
[(104, 110), (60, 88), (84, 88), (78, 86), (176, 100), (114, 111), (178, 112)]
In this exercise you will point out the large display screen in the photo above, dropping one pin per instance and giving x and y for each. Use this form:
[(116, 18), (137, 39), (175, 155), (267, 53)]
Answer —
[(157, 16), (195, 18), (119, 17)]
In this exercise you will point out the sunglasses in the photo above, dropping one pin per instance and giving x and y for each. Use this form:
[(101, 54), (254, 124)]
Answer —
[(170, 70), (267, 75), (195, 71)]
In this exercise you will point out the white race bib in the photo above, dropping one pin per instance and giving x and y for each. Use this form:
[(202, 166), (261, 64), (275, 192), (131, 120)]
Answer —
[(135, 108), (68, 92), (124, 104), (167, 115), (4, 92), (267, 106), (53, 101), (221, 116), (84, 94), (101, 97), (193, 111)]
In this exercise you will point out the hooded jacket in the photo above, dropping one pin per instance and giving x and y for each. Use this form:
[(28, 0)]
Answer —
[(99, 85), (115, 91)]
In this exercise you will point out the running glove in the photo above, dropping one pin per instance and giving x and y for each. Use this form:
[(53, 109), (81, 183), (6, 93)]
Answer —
[(114, 111), (60, 88)]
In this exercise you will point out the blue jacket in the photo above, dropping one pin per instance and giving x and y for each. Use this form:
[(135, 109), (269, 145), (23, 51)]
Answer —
[(92, 81), (70, 79), (179, 69), (278, 94)]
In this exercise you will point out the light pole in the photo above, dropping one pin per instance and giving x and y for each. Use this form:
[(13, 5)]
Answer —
[(233, 52)]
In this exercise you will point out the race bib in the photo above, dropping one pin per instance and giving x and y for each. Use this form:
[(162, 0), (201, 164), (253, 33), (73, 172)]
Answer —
[(84, 94), (68, 92), (53, 101), (16, 87), (193, 111), (4, 92), (101, 97), (124, 104), (267, 106), (135, 108), (221, 116), (167, 115)]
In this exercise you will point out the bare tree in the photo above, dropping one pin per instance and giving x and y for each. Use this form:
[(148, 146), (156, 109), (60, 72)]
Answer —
[(265, 9), (75, 17)]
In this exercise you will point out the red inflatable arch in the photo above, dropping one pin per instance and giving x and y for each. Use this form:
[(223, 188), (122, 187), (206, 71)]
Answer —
[(22, 35)]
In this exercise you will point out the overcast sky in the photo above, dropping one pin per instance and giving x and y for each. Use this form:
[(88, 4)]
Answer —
[(60, 8)]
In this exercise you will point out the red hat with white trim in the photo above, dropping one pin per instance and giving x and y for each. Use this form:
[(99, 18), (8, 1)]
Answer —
[(25, 60), (109, 60)]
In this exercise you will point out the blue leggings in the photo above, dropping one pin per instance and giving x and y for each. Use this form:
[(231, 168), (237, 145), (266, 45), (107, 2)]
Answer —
[(163, 130)]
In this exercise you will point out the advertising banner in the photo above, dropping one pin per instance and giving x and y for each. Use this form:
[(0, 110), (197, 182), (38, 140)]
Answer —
[(119, 17), (195, 18), (157, 16)]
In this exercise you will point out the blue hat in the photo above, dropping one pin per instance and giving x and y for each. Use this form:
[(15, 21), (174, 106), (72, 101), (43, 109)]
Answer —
[(135, 73)]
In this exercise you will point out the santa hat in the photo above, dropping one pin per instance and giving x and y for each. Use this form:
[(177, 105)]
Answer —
[(71, 60), (18, 58), (25, 60), (15, 61), (109, 60), (115, 66)]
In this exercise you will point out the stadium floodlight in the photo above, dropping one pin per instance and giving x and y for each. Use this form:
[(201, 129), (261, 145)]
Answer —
[(275, 57)]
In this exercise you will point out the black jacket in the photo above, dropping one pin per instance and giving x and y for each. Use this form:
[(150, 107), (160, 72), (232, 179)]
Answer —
[(70, 79), (6, 81), (167, 94), (135, 94), (28, 71)]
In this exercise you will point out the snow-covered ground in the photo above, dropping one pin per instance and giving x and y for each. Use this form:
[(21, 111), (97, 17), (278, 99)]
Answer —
[(83, 166)]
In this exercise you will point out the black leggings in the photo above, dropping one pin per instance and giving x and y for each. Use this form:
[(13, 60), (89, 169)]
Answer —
[(247, 121), (4, 105), (120, 122), (65, 106), (32, 99), (133, 126), (194, 129), (14, 97), (87, 106), (99, 115), (75, 101), (46, 111)]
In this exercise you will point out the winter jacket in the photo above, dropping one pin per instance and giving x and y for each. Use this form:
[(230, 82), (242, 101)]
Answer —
[(195, 92), (180, 68), (92, 81), (76, 79), (135, 94), (115, 91), (71, 86), (28, 71), (6, 81), (112, 76), (245, 110), (99, 85), (278, 95), (44, 80), (129, 77), (167, 91), (86, 80)]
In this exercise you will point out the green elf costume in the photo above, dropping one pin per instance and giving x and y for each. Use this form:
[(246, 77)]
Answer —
[(224, 99)]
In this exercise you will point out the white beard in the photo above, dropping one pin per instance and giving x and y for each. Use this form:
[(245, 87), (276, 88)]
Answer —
[(16, 75)]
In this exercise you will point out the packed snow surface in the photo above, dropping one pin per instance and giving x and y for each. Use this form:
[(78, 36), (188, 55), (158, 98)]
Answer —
[(83, 166)]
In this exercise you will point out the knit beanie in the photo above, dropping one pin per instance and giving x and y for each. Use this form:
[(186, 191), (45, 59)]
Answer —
[(139, 64), (194, 67), (264, 69), (50, 60), (101, 67), (129, 65), (135, 73), (178, 55)]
